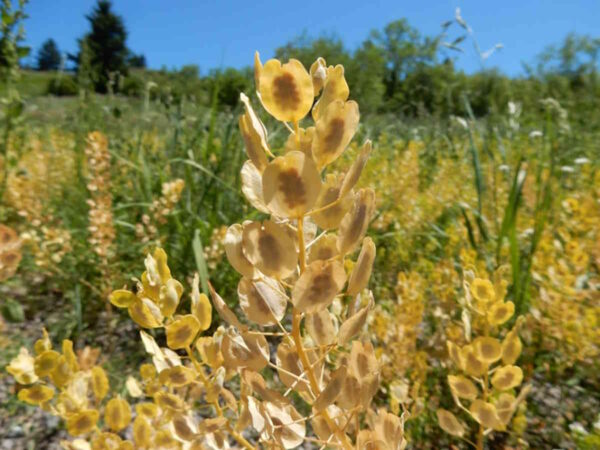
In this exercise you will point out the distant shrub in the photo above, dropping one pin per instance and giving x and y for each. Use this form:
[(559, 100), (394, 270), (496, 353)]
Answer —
[(62, 85), (133, 86)]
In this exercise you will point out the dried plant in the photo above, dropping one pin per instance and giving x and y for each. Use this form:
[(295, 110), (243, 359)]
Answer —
[(487, 376), (295, 294), (10, 252)]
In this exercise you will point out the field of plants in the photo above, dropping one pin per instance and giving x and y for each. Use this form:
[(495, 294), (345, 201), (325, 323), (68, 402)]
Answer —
[(290, 273)]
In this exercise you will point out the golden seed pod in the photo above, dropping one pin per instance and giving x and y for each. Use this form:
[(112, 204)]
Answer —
[(235, 253), (472, 364), (36, 395), (291, 185), (170, 294), (500, 312), (507, 377), (201, 307), (290, 369), (323, 249), (82, 422), (263, 301), (331, 208), (332, 390), (270, 248), (488, 349), (483, 290), (485, 414), (505, 405), (511, 348), (318, 286), (334, 131), (244, 350), (285, 90), (352, 326), (362, 269), (301, 143), (99, 382), (355, 222), (355, 171), (177, 376), (182, 331), (145, 313), (449, 423), (291, 428), (254, 134), (117, 414), (318, 72), (321, 327), (45, 363), (462, 387), (335, 88)]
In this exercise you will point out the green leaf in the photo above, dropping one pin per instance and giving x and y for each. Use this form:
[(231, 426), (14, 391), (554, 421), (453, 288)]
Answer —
[(200, 261)]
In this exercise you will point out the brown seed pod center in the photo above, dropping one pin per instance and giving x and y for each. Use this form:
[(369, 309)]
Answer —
[(286, 92), (334, 135), (291, 185), (268, 248)]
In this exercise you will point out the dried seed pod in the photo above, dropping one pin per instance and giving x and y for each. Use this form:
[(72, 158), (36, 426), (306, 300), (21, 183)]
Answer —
[(254, 134), (511, 348), (318, 285), (473, 365), (500, 312), (462, 387), (226, 314), (291, 184), (201, 307), (235, 253), (353, 174), (244, 350), (170, 294), (362, 269), (331, 216), (350, 396), (323, 249), (286, 90), (182, 331), (290, 368), (449, 423), (332, 389), (270, 248), (321, 327), (252, 187), (485, 414), (507, 377), (303, 143), (117, 414), (289, 429), (352, 326), (145, 313), (184, 427), (334, 131), (263, 301), (335, 88), (354, 224), (318, 72), (488, 349)]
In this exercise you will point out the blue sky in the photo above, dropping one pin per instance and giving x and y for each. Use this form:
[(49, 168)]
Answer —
[(221, 33)]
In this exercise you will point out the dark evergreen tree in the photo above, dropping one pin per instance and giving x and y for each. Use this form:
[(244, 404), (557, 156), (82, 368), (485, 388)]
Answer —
[(48, 57)]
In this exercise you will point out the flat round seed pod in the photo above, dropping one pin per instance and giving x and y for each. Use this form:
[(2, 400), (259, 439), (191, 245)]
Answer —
[(145, 313), (36, 395), (288, 427), (454, 351), (485, 414), (182, 331), (354, 224), (321, 326), (235, 252), (177, 376), (263, 301), (117, 414), (488, 349), (252, 186), (505, 407), (254, 134), (473, 365), (390, 428), (335, 88), (334, 131), (353, 174), (362, 269), (82, 422), (462, 387), (184, 427), (291, 184), (449, 423), (350, 395), (224, 311), (507, 377), (325, 248), (511, 348), (352, 326), (169, 296), (363, 362), (286, 91), (244, 351), (500, 312), (270, 248), (331, 217), (318, 285)]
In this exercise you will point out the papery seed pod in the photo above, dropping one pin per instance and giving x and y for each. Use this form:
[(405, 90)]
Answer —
[(505, 406), (511, 348), (290, 368), (318, 72), (169, 402), (270, 248), (45, 363), (258, 416), (182, 331), (226, 314), (252, 187), (330, 216), (200, 308), (321, 326), (352, 326), (82, 422), (473, 365), (122, 298), (321, 427), (244, 350), (258, 385), (488, 349), (354, 224), (210, 351), (350, 395), (318, 285), (177, 376), (170, 294), (99, 382), (353, 174), (485, 414), (454, 351), (323, 249), (362, 269), (507, 377), (332, 389), (286, 90), (291, 430), (145, 313), (263, 301), (462, 387), (184, 427), (36, 395), (334, 131), (117, 414), (291, 184), (257, 71), (390, 429), (449, 423), (363, 362), (235, 253), (335, 88), (255, 135), (500, 312)]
